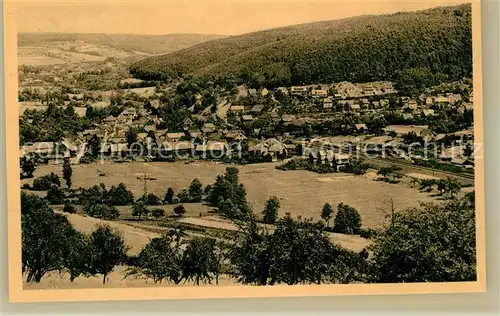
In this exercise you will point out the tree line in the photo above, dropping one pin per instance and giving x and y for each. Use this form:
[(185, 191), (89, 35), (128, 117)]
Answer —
[(411, 247)]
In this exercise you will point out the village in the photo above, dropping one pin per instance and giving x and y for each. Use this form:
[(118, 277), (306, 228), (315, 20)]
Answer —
[(256, 125)]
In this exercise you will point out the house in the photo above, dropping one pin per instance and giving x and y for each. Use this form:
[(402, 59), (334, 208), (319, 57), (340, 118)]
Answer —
[(257, 108), (208, 128), (180, 149), (252, 92), (298, 90), (319, 93), (428, 112), (155, 104), (174, 136), (187, 122), (271, 147), (247, 118), (129, 112), (369, 91), (354, 107), (384, 103), (264, 92), (213, 150), (142, 121), (388, 88), (237, 108), (360, 127), (441, 100), (274, 114), (235, 136), (194, 133), (282, 90), (412, 104), (365, 104), (429, 101), (287, 118), (454, 98), (115, 149), (39, 148), (110, 119), (327, 103), (466, 106)]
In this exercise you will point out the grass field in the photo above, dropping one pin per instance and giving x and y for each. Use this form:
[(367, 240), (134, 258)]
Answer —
[(300, 192)]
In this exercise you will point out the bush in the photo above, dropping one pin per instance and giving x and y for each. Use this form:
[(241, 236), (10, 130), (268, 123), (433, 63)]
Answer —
[(180, 210), (347, 220), (102, 211), (26, 186), (69, 208), (45, 182), (367, 233)]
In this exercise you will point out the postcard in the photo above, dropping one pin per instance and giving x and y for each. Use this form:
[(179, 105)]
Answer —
[(230, 149)]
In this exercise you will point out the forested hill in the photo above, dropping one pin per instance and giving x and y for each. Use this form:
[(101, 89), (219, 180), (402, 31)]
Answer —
[(424, 43)]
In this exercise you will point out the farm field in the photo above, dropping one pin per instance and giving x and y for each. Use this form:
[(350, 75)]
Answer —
[(300, 192)]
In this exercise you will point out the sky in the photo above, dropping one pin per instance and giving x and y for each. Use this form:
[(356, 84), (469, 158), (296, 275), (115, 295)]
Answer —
[(222, 17)]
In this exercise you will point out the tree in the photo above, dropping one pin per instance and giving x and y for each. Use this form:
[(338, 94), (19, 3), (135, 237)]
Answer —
[(139, 209), (95, 146), (161, 259), (158, 212), (326, 213), (46, 182), (227, 187), (169, 196), (179, 210), (131, 136), (119, 195), (67, 172), (431, 243), (107, 249), (101, 211), (270, 213), (451, 188), (55, 195), (44, 237), (250, 255), (347, 220), (196, 191), (199, 262), (28, 167), (79, 257), (390, 174)]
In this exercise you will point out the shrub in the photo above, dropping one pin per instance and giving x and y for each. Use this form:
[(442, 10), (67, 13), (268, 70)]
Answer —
[(347, 220), (367, 233), (26, 186), (69, 208), (180, 210), (45, 182)]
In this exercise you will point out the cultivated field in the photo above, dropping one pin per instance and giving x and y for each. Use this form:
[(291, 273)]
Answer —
[(301, 192)]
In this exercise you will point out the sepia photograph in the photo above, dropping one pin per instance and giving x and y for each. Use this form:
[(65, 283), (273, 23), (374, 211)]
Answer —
[(250, 148)]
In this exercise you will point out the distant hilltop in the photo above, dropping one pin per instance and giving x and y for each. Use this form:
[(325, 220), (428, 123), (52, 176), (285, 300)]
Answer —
[(435, 42), (150, 44)]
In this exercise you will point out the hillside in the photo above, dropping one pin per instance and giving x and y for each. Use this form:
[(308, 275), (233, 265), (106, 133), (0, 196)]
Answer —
[(365, 48), (151, 44)]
